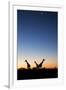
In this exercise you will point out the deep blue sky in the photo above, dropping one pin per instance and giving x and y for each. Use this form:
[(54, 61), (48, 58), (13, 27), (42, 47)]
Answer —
[(36, 34)]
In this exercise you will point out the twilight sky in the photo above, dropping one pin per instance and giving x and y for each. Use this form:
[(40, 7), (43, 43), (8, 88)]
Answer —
[(37, 37)]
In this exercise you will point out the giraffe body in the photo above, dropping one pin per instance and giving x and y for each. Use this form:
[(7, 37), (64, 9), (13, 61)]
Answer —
[(39, 65)]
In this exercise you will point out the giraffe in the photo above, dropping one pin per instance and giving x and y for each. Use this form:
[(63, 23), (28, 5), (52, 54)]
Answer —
[(28, 65), (39, 65)]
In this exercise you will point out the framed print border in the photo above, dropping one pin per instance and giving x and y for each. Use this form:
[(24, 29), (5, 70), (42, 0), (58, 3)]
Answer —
[(13, 82)]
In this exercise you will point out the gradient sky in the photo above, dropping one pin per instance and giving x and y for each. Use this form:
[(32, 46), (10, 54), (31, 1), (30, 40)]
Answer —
[(37, 37)]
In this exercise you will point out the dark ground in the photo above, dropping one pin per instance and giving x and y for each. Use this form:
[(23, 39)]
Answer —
[(24, 74)]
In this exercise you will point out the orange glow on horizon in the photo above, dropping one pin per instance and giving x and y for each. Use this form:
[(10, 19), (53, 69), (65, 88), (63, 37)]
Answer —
[(47, 65)]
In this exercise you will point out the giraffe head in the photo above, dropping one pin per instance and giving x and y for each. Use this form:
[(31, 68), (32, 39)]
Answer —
[(25, 60), (43, 59), (34, 61)]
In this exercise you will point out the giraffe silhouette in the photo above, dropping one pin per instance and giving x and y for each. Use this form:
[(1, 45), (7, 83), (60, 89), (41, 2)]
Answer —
[(28, 65), (39, 65)]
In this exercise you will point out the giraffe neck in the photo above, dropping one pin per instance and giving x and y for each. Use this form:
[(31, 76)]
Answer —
[(41, 62), (27, 62)]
